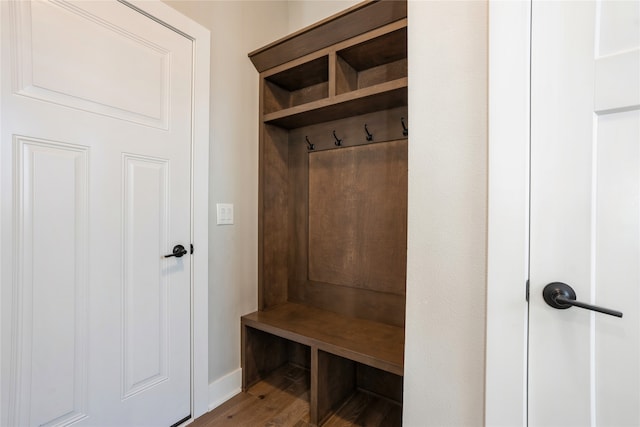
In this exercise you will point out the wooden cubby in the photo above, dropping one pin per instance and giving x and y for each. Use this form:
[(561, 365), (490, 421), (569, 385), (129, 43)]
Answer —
[(333, 211)]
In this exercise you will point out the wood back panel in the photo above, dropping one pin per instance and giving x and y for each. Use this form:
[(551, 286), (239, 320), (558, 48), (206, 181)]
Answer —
[(358, 217)]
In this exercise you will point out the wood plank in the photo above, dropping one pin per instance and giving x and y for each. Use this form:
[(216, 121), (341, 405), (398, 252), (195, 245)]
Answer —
[(358, 217), (363, 409), (336, 382), (306, 74), (273, 224), (372, 343), (342, 26), (351, 302), (387, 48), (362, 101), (384, 125), (262, 354)]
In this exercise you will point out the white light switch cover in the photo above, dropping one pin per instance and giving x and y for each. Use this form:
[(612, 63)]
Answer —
[(224, 213)]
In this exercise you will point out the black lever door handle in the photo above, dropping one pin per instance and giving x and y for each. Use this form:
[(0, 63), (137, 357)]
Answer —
[(562, 296), (178, 252)]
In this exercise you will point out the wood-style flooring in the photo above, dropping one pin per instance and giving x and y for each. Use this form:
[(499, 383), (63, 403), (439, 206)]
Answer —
[(282, 400)]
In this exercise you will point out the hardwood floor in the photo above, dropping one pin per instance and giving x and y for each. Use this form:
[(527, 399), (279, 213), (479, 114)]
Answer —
[(282, 400)]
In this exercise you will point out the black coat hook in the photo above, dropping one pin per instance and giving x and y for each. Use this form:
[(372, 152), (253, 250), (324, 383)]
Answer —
[(369, 136), (338, 140), (311, 146), (405, 130)]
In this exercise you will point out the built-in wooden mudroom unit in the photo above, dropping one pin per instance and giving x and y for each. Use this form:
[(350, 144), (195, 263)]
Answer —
[(333, 212)]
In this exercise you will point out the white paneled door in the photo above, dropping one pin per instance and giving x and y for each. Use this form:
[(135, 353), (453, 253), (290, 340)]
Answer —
[(584, 366), (95, 169)]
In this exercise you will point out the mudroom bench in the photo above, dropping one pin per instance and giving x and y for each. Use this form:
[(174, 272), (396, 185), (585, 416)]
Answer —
[(344, 355)]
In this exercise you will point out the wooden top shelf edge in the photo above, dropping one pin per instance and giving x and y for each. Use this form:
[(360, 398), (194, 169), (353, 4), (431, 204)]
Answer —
[(371, 343), (367, 100), (344, 25)]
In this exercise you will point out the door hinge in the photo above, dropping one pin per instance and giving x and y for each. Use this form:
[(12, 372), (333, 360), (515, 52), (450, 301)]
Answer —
[(192, 248), (526, 287)]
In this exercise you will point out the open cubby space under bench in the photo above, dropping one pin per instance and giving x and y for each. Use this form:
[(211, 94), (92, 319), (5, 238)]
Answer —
[(345, 356)]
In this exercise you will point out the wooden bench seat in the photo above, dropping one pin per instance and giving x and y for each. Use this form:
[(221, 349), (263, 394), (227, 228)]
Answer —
[(342, 354), (371, 343)]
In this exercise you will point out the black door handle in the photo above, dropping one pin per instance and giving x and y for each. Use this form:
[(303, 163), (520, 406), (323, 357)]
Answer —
[(561, 296), (178, 252)]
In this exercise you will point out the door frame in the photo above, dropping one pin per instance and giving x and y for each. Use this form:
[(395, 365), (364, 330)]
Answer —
[(508, 213), (200, 36)]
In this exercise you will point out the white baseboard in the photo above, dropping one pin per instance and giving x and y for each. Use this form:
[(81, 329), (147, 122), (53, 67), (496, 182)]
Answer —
[(225, 388)]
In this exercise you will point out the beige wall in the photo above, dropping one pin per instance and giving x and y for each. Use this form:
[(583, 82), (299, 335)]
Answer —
[(306, 12), (237, 27), (446, 284)]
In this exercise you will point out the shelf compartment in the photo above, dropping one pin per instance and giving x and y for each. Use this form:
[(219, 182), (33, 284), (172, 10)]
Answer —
[(265, 353), (298, 85), (347, 390), (372, 62), (367, 100)]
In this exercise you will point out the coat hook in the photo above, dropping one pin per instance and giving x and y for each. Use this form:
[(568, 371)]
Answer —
[(311, 146), (338, 140), (405, 130), (369, 136)]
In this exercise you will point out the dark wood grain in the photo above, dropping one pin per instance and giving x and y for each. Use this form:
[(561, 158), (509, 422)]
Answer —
[(371, 53), (275, 98), (273, 211), (351, 302), (310, 94), (282, 400), (346, 76), (380, 383), (371, 343), (358, 217), (362, 101), (347, 24), (384, 125), (262, 353), (336, 382), (382, 73), (298, 209), (366, 410), (306, 74)]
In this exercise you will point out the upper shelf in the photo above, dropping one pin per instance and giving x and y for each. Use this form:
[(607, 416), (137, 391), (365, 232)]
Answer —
[(361, 75), (361, 101)]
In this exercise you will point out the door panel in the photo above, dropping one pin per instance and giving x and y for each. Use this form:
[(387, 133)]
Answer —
[(51, 209), (96, 136), (141, 92), (584, 367)]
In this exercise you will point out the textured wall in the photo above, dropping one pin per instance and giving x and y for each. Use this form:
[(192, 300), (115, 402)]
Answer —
[(446, 284)]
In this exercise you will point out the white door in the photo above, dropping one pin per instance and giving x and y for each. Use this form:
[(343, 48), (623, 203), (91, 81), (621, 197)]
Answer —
[(584, 366), (95, 168)]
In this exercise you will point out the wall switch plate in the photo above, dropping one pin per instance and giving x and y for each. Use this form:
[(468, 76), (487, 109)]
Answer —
[(224, 213)]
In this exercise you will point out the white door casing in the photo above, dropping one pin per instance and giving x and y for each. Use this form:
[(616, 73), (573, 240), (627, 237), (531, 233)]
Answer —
[(96, 136), (607, 391)]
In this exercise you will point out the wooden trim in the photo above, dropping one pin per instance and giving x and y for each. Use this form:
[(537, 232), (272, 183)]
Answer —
[(359, 19)]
